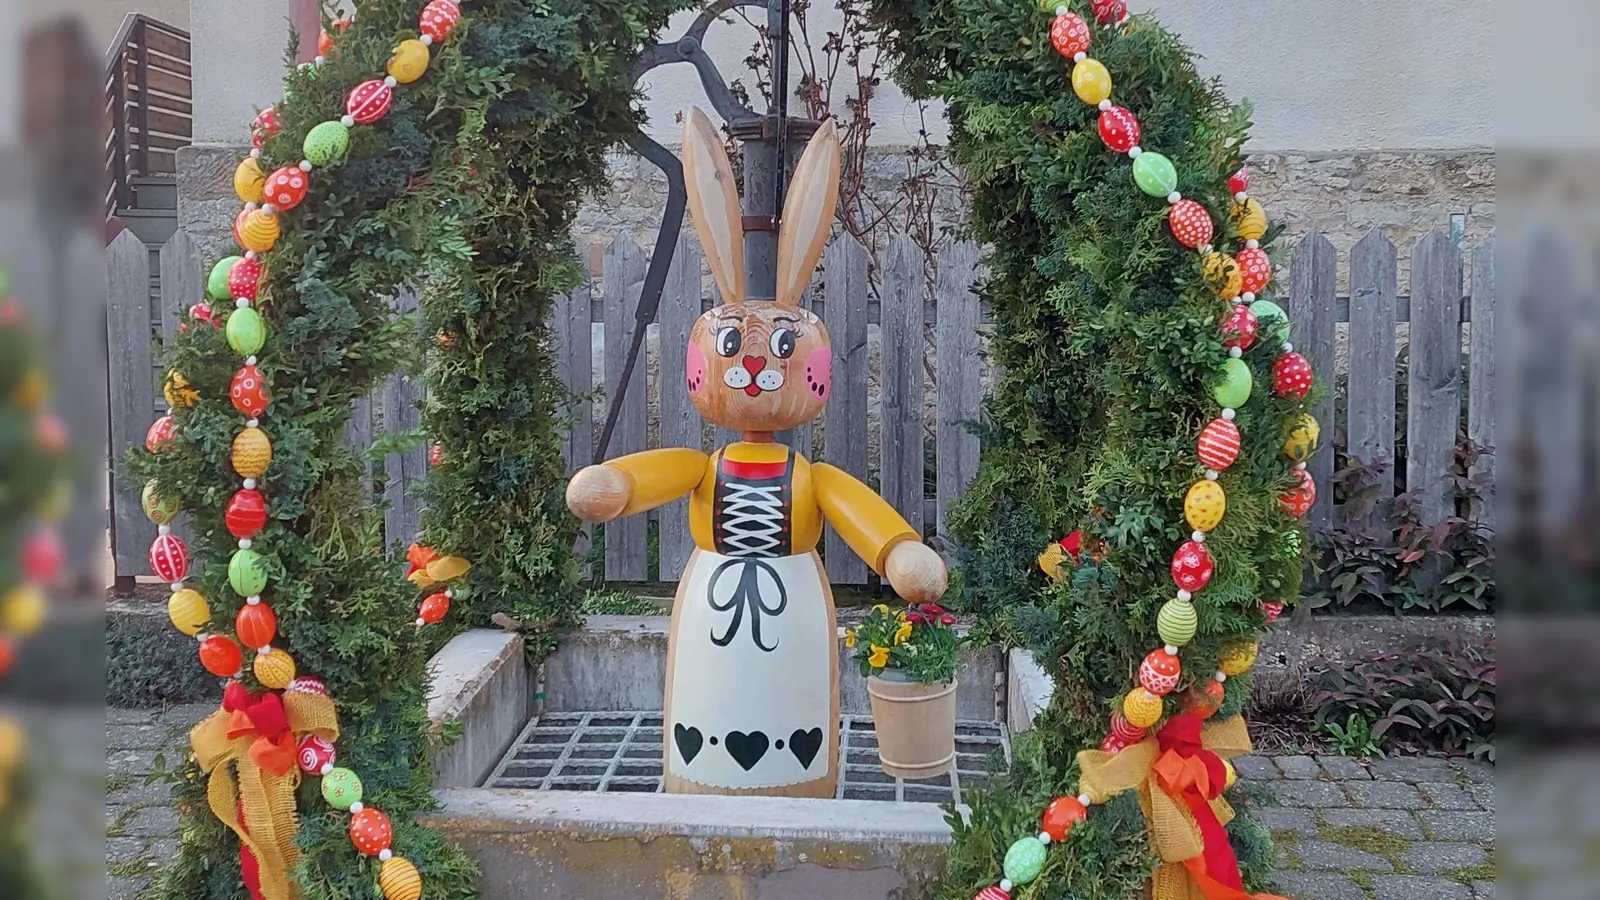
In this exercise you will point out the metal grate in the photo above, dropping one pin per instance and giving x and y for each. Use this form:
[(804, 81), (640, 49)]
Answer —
[(620, 752)]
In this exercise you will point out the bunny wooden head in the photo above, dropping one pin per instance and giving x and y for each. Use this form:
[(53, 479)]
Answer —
[(758, 365)]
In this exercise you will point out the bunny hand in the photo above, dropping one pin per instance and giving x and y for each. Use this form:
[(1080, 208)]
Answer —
[(599, 493), (916, 572)]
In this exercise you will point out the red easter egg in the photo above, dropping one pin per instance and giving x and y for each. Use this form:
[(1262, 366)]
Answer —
[(238, 223), (305, 684), (1109, 10), (287, 187), (1239, 328), (1272, 610), (1125, 731), (202, 312), (1218, 445), (169, 557), (992, 892), (221, 656), (1070, 35), (8, 654), (1190, 223), (43, 556), (1159, 672), (434, 609), (1060, 816), (264, 126), (439, 19), (315, 755), (1119, 129), (244, 280), (435, 453), (1192, 566), (369, 101), (325, 40), (1298, 499), (1239, 182), (1113, 744), (1255, 269), (159, 435), (249, 392), (1073, 544), (1291, 376), (1204, 702), (50, 433), (256, 625), (246, 514), (370, 831)]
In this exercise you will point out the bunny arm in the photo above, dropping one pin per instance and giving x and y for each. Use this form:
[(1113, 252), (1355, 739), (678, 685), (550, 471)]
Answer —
[(659, 477), (865, 520)]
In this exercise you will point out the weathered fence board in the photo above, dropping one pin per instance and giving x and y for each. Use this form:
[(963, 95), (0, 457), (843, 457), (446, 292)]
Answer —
[(181, 281), (1549, 385), (401, 403), (575, 367), (1433, 407), (1481, 380), (680, 423), (844, 419), (959, 375), (79, 337), (1370, 395), (133, 394), (626, 558), (1315, 276), (903, 465)]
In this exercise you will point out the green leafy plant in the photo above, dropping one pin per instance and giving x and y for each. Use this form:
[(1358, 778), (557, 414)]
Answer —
[(1353, 738), (919, 641), (1432, 697)]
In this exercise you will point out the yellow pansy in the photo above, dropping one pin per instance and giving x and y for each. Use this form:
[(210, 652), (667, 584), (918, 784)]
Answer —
[(849, 637), (881, 608), (901, 633), (879, 657)]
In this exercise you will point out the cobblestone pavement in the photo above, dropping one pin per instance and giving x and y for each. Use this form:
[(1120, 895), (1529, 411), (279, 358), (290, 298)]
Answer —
[(1388, 829)]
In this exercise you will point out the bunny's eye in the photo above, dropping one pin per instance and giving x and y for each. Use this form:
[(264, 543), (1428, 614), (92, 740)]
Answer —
[(728, 341), (783, 343)]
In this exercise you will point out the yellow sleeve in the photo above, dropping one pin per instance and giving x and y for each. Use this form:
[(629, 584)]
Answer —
[(865, 520), (660, 476)]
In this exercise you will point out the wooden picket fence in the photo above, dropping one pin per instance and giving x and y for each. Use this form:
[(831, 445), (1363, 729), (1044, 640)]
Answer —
[(916, 396)]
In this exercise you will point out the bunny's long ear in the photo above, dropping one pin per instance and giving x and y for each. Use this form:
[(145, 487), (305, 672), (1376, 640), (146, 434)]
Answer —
[(808, 213), (714, 203)]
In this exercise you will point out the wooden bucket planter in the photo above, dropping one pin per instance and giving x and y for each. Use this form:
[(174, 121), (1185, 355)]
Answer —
[(916, 725)]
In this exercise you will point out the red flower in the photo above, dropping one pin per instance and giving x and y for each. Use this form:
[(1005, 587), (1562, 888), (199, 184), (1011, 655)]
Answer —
[(947, 619), (914, 618), (932, 609)]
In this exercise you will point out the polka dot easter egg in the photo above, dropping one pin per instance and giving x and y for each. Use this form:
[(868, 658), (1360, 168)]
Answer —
[(1256, 268), (326, 143), (439, 19), (1239, 328), (274, 669), (244, 279), (1204, 505), (287, 187), (370, 831), (169, 558), (1291, 376), (1190, 223), (1297, 500), (369, 101)]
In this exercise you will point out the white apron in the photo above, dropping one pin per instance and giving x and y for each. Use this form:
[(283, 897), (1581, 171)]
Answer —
[(752, 653)]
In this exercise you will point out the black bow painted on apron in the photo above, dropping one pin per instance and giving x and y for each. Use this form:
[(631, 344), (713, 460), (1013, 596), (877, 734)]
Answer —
[(747, 594)]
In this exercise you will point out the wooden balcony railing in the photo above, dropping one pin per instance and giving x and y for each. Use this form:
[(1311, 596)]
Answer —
[(149, 101)]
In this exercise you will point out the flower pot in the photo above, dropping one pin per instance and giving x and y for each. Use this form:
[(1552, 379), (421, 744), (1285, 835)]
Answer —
[(916, 725)]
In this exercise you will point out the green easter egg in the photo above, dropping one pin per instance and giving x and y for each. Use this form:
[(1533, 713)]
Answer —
[(5, 281), (1265, 309), (247, 572), (326, 143), (246, 332), (1233, 388), (1177, 622), (1025, 860), (341, 788), (217, 281), (1155, 174), (160, 510)]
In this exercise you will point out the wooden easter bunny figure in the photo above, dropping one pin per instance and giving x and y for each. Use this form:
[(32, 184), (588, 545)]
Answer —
[(752, 696)]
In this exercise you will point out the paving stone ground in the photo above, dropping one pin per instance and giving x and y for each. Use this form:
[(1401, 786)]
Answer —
[(1346, 829)]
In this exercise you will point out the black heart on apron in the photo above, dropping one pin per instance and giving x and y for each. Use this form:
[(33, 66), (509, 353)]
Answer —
[(688, 740), (804, 745), (746, 749)]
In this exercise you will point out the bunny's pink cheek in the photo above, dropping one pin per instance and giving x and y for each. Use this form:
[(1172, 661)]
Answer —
[(696, 369), (819, 373)]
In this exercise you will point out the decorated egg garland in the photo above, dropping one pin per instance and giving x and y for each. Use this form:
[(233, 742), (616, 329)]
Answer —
[(1237, 279), (257, 229)]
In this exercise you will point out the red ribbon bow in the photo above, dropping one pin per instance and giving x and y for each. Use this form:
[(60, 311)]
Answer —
[(261, 715), (1186, 770)]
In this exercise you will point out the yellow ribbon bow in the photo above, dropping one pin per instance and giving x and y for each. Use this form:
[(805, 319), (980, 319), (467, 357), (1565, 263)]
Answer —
[(1162, 779), (251, 789), (428, 568)]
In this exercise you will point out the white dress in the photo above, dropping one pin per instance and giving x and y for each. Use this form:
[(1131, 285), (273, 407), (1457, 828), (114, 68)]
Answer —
[(751, 691)]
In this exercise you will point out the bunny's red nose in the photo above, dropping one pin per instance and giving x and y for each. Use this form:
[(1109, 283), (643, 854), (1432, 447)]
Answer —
[(754, 364)]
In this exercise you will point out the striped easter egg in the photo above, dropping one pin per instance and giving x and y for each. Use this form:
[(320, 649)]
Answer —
[(274, 669), (169, 557), (246, 514), (1176, 622), (257, 230), (369, 101), (1125, 731), (1251, 220), (305, 684), (1142, 708), (1218, 445), (400, 880), (252, 453)]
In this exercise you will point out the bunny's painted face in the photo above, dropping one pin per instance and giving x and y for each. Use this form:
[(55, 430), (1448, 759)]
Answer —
[(759, 366)]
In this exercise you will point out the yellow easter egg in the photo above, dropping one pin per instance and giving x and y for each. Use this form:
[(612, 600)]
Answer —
[(178, 392), (32, 391), (13, 744), (188, 611), (1251, 220), (1300, 437), (1141, 708), (56, 504), (249, 182), (259, 231), (274, 669), (1091, 81), (23, 610), (400, 880), (1223, 271), (1231, 774), (409, 62), (1204, 505), (252, 453), (1237, 658)]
